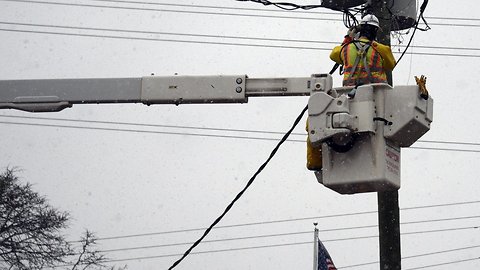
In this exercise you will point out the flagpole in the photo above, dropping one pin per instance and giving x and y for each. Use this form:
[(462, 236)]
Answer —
[(315, 247)]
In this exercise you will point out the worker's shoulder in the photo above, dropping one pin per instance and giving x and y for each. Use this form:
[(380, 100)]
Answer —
[(376, 44)]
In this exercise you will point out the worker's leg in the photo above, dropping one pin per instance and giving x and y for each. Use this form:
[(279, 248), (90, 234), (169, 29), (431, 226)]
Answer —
[(314, 157)]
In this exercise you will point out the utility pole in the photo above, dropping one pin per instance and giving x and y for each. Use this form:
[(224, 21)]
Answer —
[(388, 210)]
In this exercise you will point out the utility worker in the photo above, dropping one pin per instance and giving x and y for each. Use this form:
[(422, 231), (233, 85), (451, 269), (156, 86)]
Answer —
[(364, 60)]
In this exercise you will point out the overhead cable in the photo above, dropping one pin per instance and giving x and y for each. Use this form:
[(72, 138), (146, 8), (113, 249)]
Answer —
[(239, 195), (285, 234), (212, 42), (206, 135), (200, 128), (212, 36), (283, 5), (307, 218), (414, 256), (267, 246), (445, 263), (226, 8)]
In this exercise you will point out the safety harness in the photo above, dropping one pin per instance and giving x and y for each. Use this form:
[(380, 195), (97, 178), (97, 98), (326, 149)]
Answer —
[(362, 50)]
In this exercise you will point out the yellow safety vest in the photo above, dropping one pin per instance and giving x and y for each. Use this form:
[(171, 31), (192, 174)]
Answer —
[(362, 64)]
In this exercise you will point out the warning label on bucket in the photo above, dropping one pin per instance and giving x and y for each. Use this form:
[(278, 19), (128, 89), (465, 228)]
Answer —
[(392, 158)]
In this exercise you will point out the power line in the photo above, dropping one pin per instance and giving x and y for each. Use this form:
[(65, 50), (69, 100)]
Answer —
[(262, 10), (228, 8), (239, 195), (445, 263), (414, 256), (283, 234), (211, 251), (200, 128), (183, 41), (205, 135), (171, 10), (263, 246), (166, 33), (301, 219), (149, 131), (212, 42), (197, 252), (215, 36), (206, 241)]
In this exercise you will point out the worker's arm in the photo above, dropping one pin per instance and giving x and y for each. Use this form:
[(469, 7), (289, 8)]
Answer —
[(387, 55), (335, 55)]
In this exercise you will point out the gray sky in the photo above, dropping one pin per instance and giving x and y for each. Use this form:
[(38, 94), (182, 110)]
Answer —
[(119, 183)]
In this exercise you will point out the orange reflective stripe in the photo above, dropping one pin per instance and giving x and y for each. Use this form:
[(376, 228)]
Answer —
[(358, 75)]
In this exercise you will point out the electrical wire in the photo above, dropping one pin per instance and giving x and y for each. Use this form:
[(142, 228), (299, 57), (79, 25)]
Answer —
[(181, 41), (275, 245), (308, 218), (170, 10), (445, 263), (214, 36), (202, 128), (283, 5), (207, 135), (413, 256), (169, 33), (285, 234), (219, 43), (229, 8), (228, 14), (239, 195), (279, 245)]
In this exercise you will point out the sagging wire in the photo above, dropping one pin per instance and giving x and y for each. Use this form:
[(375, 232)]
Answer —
[(283, 5), (240, 194)]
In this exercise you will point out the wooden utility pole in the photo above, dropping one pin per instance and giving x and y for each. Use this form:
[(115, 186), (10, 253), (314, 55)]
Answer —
[(388, 210)]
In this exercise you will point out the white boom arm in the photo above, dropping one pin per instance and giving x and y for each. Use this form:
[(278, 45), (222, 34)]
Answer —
[(58, 94)]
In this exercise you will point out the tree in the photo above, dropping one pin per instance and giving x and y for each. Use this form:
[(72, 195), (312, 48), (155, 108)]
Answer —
[(30, 232)]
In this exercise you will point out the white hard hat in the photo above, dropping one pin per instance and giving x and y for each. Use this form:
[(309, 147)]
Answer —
[(370, 19)]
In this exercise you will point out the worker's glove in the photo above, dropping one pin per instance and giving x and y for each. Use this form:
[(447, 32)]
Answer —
[(350, 35), (352, 31)]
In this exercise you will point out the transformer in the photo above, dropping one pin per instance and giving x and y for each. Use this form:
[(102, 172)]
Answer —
[(404, 14)]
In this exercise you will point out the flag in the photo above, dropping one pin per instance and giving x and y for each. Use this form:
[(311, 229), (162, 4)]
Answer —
[(324, 260)]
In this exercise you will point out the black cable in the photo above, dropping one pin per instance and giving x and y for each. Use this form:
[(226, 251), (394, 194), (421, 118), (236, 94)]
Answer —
[(283, 5), (260, 169)]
